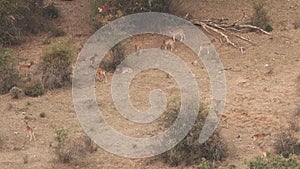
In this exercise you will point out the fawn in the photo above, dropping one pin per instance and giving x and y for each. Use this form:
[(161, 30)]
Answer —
[(29, 132)]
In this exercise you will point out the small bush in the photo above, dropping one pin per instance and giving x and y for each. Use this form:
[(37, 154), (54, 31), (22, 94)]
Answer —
[(297, 23), (25, 159), (56, 66), (43, 115), (260, 17), (274, 162), (50, 11), (9, 74), (57, 32), (286, 144), (74, 147), (189, 151), (15, 92), (34, 89), (294, 125)]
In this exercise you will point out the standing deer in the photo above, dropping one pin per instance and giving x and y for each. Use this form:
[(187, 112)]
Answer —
[(177, 32), (168, 43), (29, 132), (101, 73), (26, 67)]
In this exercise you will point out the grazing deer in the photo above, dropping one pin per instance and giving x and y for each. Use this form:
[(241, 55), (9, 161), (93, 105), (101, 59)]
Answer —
[(177, 32), (204, 46), (260, 135), (124, 69), (168, 43), (26, 67), (101, 73), (29, 132)]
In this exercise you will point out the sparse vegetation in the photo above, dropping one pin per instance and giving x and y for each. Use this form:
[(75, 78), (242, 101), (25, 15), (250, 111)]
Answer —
[(9, 74), (260, 17), (294, 125), (274, 161), (34, 89), (286, 143), (189, 150), (56, 65), (57, 32)]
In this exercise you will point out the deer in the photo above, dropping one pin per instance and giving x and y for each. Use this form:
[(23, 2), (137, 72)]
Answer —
[(29, 132), (26, 67), (105, 9), (260, 135), (177, 32), (168, 43), (138, 45), (225, 118), (101, 73), (124, 69)]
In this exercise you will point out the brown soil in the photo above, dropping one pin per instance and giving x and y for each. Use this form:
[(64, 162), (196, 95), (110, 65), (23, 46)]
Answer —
[(258, 100)]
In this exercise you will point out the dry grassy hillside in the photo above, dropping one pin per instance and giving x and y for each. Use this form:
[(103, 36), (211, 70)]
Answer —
[(262, 90)]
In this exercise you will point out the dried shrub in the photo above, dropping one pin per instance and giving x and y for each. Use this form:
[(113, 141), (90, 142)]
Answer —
[(18, 18), (286, 143), (117, 55), (73, 147), (260, 17), (189, 151), (56, 65), (9, 74)]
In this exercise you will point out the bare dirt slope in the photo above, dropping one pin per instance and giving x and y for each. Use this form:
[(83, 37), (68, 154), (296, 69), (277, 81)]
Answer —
[(258, 100)]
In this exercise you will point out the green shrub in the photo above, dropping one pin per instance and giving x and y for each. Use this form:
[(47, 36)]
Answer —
[(34, 89), (260, 17), (189, 151), (56, 65), (274, 162), (15, 92), (50, 11), (9, 74)]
